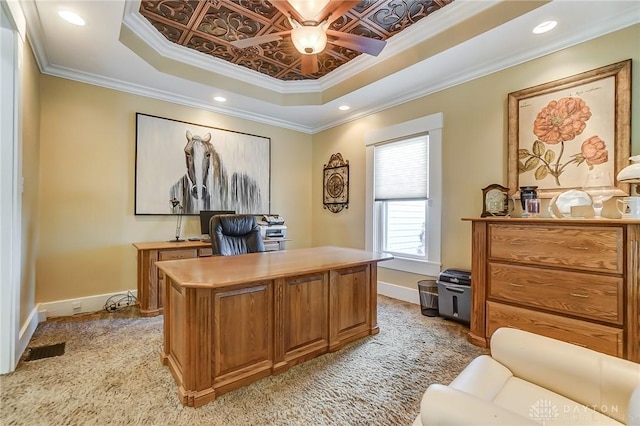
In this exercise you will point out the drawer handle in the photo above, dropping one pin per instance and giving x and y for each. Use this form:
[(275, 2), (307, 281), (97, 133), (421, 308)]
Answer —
[(579, 247), (584, 296), (516, 243), (515, 285)]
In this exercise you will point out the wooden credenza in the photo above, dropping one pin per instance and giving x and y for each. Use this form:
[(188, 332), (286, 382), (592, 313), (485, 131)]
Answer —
[(573, 280), (151, 279), (232, 320)]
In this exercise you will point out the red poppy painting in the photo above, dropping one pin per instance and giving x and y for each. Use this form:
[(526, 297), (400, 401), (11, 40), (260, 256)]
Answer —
[(561, 130)]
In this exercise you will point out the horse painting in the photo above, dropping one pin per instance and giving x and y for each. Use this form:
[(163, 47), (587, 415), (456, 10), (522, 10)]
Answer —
[(205, 185)]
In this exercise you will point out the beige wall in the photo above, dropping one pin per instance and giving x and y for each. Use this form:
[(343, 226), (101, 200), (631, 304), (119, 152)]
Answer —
[(87, 221), (87, 156), (30, 145), (474, 144)]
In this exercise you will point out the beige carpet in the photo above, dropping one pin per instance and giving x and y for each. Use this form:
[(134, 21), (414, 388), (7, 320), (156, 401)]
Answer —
[(111, 374)]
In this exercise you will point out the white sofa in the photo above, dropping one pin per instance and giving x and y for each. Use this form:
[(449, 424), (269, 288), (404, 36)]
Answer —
[(531, 379)]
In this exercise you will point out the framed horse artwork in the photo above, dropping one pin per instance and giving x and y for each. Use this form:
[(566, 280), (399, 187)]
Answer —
[(199, 168)]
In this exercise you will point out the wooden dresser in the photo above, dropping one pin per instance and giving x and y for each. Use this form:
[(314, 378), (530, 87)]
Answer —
[(573, 280), (151, 279)]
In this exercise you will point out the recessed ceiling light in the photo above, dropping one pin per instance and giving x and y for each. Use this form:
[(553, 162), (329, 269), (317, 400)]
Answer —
[(544, 27), (344, 107), (71, 17), (220, 99)]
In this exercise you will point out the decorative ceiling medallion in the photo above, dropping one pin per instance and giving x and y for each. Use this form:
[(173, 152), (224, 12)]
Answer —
[(335, 181), (210, 26)]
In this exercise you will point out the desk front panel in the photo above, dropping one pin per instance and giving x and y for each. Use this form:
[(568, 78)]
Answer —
[(350, 304), (243, 324), (303, 324), (222, 337)]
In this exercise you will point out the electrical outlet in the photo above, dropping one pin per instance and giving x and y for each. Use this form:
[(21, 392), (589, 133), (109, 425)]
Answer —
[(76, 307)]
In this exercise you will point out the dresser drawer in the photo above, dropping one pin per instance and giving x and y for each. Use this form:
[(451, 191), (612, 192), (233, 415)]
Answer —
[(578, 247), (591, 296), (205, 252), (177, 254), (598, 337)]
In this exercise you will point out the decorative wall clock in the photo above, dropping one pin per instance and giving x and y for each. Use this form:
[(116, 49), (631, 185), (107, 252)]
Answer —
[(495, 200), (335, 184)]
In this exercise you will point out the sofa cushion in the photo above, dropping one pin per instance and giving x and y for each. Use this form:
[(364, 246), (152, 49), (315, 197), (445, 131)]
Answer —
[(588, 377), (544, 406), (444, 406)]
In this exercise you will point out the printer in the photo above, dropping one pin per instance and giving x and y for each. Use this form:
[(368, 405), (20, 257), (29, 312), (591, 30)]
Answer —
[(272, 226)]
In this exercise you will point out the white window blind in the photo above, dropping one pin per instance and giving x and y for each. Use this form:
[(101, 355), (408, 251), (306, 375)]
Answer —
[(402, 170)]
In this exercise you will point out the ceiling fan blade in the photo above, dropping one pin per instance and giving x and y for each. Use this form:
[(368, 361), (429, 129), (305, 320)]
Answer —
[(334, 10), (309, 64), (252, 41), (287, 9), (370, 46)]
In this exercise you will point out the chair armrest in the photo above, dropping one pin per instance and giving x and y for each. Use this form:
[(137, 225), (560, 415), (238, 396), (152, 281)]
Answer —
[(442, 405)]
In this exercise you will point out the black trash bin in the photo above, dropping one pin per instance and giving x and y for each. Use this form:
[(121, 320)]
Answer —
[(428, 290)]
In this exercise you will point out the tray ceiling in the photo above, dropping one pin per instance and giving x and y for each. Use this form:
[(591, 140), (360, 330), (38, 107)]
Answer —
[(120, 49), (210, 26)]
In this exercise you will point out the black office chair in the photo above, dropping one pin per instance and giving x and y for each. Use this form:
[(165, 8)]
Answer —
[(235, 234)]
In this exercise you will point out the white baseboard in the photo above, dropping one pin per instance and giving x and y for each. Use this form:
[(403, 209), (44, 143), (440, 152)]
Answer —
[(26, 332), (62, 308), (398, 292)]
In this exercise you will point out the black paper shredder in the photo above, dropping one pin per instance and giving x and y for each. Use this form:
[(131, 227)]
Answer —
[(454, 294)]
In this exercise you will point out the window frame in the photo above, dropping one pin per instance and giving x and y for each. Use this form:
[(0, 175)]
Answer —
[(431, 125)]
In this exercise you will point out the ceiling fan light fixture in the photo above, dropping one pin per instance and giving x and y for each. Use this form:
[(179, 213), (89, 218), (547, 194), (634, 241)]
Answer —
[(309, 39)]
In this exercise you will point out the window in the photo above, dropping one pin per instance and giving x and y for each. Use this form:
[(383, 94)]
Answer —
[(402, 228), (400, 195), (404, 194)]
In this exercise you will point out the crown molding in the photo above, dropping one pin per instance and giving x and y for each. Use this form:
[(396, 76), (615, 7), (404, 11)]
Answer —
[(35, 34), (453, 14), (145, 31), (495, 64), (171, 97)]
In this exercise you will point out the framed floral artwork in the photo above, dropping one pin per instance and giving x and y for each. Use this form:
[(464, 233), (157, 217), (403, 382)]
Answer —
[(561, 130)]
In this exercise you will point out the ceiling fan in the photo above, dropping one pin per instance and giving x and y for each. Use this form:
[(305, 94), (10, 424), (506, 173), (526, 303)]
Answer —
[(310, 20)]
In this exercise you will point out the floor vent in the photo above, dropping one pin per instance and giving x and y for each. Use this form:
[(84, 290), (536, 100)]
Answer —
[(47, 351)]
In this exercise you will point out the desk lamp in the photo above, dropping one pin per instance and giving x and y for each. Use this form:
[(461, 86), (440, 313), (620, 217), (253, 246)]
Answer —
[(631, 174), (175, 205)]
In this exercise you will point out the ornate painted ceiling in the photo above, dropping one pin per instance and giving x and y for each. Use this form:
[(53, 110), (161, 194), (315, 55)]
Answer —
[(210, 26)]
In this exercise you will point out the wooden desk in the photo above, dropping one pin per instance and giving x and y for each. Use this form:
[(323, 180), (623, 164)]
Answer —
[(151, 280), (230, 321)]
